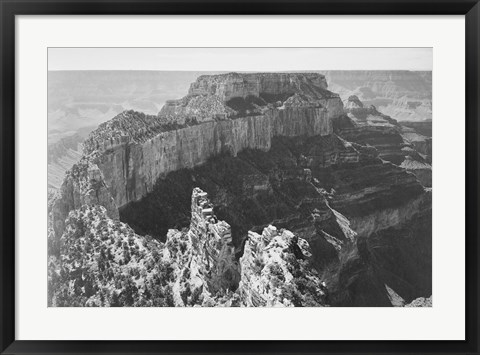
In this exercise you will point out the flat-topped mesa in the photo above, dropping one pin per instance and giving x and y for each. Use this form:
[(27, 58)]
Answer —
[(268, 86), (214, 97), (221, 114)]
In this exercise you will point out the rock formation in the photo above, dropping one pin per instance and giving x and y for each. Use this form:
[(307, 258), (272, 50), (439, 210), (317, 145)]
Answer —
[(137, 149), (421, 302), (84, 184), (336, 179), (396, 143), (284, 186), (235, 85), (214, 238), (275, 271), (421, 144), (102, 262), (405, 95)]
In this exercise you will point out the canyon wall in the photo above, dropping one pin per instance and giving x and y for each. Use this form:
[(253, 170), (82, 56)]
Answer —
[(131, 169), (133, 150), (132, 164)]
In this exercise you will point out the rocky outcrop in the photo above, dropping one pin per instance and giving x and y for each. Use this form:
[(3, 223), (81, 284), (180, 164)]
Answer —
[(104, 263), (421, 302), (275, 272), (214, 238), (84, 184)]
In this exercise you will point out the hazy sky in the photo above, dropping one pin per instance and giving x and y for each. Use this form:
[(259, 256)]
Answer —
[(240, 59)]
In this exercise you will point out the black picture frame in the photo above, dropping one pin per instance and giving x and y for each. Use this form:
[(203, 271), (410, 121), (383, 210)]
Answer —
[(10, 8)]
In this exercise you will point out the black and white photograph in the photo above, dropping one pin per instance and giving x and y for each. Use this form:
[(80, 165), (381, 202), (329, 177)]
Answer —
[(242, 186)]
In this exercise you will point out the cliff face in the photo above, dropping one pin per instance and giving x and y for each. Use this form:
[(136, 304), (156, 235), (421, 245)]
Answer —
[(137, 149), (289, 186), (131, 169), (61, 157), (83, 184)]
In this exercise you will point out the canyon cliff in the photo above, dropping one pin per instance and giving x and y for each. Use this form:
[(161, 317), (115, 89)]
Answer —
[(81, 100), (137, 149), (336, 179)]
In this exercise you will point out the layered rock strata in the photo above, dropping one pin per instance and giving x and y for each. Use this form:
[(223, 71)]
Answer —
[(395, 143), (138, 149), (234, 85), (368, 126), (318, 187)]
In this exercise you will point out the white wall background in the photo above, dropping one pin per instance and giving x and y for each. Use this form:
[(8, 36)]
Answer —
[(445, 320)]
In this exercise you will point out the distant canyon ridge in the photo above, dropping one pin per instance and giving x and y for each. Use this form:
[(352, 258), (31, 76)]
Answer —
[(78, 101)]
